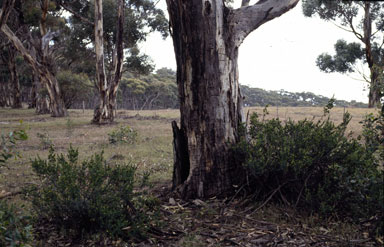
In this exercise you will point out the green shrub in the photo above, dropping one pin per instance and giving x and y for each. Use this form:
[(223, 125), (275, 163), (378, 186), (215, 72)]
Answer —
[(124, 134), (15, 228), (373, 133), (91, 197), (8, 144), (312, 165)]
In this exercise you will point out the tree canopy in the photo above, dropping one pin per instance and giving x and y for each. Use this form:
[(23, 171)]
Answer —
[(364, 19)]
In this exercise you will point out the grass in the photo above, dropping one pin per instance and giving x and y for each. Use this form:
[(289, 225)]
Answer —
[(151, 153)]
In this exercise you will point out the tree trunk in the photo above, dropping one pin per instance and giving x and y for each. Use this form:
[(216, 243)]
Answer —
[(211, 108), (374, 91), (101, 114), (206, 37), (105, 111), (14, 78), (57, 106), (2, 94)]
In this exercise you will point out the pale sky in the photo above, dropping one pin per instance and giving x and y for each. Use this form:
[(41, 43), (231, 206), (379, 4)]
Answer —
[(281, 54)]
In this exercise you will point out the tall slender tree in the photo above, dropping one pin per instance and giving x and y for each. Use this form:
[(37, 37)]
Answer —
[(108, 86), (109, 20), (206, 36), (365, 19)]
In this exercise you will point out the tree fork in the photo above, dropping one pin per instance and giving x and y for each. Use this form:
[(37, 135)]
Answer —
[(56, 102), (104, 112)]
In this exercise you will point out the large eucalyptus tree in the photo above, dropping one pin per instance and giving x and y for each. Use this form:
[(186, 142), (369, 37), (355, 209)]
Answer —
[(206, 36), (41, 60)]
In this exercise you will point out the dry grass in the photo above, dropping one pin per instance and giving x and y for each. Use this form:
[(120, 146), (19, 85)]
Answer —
[(300, 113), (152, 152)]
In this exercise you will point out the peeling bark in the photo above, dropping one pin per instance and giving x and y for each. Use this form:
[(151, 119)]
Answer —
[(104, 112), (206, 37), (101, 112)]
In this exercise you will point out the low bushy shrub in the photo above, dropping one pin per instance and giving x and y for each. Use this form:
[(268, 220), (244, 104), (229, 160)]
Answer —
[(312, 165), (8, 144), (15, 228), (90, 197), (373, 133), (124, 134)]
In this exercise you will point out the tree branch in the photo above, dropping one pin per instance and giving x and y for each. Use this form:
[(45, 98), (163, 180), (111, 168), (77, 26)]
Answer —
[(342, 28), (350, 22), (47, 38), (5, 11), (119, 49), (20, 47), (70, 10), (244, 20), (361, 74)]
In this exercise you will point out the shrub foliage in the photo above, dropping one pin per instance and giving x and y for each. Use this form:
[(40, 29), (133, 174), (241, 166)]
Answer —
[(15, 228), (89, 197), (8, 144), (124, 134), (313, 165)]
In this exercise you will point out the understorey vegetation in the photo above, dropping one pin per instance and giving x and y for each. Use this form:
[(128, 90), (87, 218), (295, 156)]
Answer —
[(15, 226), (123, 135), (311, 170), (90, 199), (315, 166)]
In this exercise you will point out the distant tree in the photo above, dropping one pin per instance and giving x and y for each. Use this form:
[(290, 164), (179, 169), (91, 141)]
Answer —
[(365, 19), (8, 56), (119, 27), (42, 18), (206, 37), (154, 91), (132, 90), (75, 87), (138, 64)]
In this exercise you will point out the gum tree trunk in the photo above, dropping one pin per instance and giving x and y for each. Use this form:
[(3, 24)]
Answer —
[(206, 37), (57, 106), (374, 91), (104, 112), (56, 102), (14, 78)]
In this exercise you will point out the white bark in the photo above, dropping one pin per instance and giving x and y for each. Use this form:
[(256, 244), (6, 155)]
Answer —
[(99, 45)]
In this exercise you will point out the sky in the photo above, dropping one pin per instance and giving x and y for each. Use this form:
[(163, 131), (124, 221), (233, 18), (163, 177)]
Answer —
[(281, 54)]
